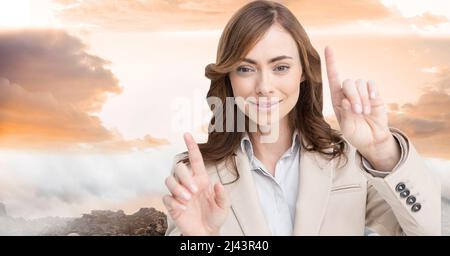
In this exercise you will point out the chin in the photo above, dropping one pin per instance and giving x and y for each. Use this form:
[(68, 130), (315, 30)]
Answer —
[(267, 122)]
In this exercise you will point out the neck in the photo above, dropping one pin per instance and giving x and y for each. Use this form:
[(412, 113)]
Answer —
[(269, 153)]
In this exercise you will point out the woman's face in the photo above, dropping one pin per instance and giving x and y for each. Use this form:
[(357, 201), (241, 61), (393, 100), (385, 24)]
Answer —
[(266, 84)]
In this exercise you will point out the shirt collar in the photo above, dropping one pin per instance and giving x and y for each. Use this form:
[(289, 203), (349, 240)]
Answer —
[(247, 147)]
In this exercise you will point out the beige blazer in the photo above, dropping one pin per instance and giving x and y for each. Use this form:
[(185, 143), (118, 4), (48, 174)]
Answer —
[(338, 200)]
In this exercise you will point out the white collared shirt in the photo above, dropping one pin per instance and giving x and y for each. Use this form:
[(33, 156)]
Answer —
[(277, 195)]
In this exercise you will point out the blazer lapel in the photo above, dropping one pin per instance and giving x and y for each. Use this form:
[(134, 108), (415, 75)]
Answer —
[(244, 198), (315, 181)]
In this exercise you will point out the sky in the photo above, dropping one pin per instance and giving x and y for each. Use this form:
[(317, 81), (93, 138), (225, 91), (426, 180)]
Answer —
[(91, 92)]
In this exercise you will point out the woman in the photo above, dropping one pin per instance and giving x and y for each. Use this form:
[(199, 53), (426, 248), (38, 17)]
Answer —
[(237, 183)]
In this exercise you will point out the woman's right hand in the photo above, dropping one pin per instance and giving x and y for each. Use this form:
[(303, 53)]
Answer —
[(197, 206)]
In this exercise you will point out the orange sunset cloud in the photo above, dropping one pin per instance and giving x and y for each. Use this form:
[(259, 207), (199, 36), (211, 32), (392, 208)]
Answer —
[(149, 15), (427, 120), (49, 89), (202, 15)]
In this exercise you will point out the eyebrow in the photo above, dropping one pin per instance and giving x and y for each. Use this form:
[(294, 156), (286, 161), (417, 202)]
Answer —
[(282, 57)]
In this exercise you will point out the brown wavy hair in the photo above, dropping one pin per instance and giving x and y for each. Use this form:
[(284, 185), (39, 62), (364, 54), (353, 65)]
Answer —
[(242, 32)]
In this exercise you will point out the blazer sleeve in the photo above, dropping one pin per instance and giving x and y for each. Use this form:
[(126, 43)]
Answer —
[(406, 201)]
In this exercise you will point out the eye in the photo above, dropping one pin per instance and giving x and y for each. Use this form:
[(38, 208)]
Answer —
[(282, 68), (243, 69)]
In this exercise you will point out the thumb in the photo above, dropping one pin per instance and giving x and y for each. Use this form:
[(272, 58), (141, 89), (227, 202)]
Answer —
[(221, 198)]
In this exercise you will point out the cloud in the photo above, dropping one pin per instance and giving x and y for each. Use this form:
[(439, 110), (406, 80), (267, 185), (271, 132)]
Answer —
[(320, 13), (138, 15), (440, 168), (428, 19), (427, 121), (42, 184), (51, 61), (121, 145), (323, 13), (38, 116), (50, 90)]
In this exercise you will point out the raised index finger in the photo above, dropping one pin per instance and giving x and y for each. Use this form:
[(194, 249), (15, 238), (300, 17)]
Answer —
[(333, 76), (195, 156)]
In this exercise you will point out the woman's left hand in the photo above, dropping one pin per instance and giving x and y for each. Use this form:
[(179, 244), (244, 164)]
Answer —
[(362, 117)]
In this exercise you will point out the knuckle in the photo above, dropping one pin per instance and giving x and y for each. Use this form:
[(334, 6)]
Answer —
[(185, 179), (178, 172), (348, 82), (178, 167), (176, 190), (171, 182)]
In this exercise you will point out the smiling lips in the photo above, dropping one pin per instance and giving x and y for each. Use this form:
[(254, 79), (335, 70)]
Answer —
[(263, 105)]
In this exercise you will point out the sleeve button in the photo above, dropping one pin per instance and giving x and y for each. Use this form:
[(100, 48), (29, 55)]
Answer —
[(410, 200), (400, 187), (404, 193), (416, 207)]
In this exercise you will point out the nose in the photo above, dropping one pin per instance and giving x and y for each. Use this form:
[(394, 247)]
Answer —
[(264, 86)]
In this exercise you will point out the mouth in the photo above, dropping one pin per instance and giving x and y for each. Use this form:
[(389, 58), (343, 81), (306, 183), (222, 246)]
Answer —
[(266, 105)]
